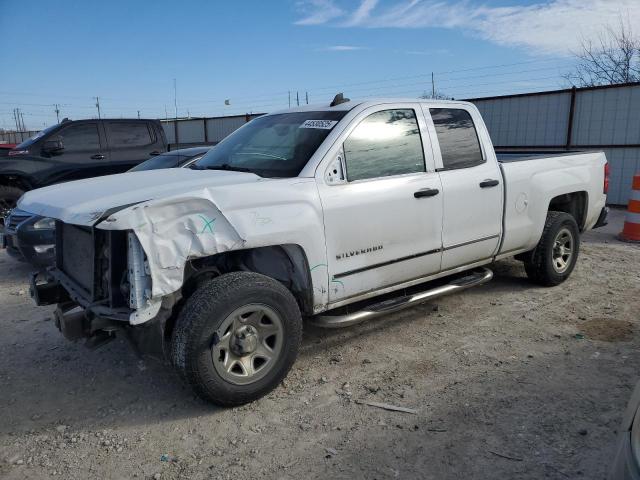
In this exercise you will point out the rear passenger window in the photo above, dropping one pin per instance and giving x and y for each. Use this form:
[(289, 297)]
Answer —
[(123, 134), (459, 144), (385, 143)]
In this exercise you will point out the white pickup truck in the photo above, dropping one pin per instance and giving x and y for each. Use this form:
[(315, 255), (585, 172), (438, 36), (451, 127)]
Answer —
[(333, 213)]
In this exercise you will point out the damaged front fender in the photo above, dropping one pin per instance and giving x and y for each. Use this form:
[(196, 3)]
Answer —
[(172, 231)]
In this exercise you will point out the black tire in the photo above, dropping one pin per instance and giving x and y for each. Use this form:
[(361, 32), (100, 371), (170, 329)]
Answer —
[(196, 335), (9, 196), (540, 264)]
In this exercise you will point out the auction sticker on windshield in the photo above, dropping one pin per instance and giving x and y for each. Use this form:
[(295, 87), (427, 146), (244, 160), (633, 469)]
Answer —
[(323, 124)]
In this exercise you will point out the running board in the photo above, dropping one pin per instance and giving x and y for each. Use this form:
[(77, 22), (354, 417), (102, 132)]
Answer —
[(476, 277)]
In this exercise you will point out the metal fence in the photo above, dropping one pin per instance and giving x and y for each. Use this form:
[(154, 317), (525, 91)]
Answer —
[(603, 118), (184, 132), (16, 137), (597, 118)]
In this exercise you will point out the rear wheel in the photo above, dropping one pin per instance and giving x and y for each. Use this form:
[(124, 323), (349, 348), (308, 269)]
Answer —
[(237, 337), (9, 196), (555, 256)]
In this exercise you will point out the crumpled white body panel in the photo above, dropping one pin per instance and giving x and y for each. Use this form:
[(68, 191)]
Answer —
[(174, 230), (181, 214)]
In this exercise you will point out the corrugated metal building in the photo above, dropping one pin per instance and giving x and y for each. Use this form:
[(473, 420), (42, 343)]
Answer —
[(597, 118)]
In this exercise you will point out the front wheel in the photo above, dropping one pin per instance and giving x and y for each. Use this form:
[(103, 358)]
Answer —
[(237, 337), (555, 256)]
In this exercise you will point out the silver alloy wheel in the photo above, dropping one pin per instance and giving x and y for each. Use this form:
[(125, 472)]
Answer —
[(563, 247), (247, 344)]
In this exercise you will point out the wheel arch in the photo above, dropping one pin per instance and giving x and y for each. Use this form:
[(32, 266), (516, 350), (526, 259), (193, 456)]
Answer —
[(16, 180), (574, 203), (286, 263)]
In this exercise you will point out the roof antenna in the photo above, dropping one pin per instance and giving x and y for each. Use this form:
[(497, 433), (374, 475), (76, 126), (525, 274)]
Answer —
[(338, 99)]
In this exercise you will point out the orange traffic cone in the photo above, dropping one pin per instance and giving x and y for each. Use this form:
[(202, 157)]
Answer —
[(631, 230)]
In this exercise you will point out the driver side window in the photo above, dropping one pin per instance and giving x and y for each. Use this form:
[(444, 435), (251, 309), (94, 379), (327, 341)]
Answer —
[(80, 137), (385, 143)]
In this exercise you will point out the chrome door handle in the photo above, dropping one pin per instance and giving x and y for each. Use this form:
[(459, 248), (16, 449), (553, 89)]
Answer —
[(97, 156)]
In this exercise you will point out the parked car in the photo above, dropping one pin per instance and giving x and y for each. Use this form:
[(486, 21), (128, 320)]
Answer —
[(31, 237), (78, 149), (626, 463), (335, 213), (5, 148)]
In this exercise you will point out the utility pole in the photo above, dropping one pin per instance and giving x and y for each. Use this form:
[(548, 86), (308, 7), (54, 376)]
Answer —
[(98, 106), (306, 94), (24, 129), (175, 97), (57, 110), (289, 98), (138, 114), (166, 115), (15, 118), (297, 99), (433, 87)]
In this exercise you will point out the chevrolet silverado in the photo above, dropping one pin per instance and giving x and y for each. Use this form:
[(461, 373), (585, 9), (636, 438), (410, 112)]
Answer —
[(332, 213)]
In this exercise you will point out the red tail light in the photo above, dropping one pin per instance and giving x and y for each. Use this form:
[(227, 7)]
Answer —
[(607, 172)]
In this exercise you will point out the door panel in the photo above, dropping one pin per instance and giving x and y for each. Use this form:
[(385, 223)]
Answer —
[(472, 187), (130, 143), (472, 216), (85, 153), (378, 234), (383, 222)]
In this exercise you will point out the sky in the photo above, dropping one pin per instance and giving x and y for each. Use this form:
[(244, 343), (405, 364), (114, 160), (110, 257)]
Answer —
[(258, 54)]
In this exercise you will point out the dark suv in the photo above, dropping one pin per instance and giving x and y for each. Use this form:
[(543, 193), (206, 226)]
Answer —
[(32, 237), (72, 150)]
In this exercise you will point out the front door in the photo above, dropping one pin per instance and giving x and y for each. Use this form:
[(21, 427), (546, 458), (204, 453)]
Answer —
[(84, 153), (383, 222)]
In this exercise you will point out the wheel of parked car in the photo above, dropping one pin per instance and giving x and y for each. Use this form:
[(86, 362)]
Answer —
[(555, 256), (237, 337), (9, 196)]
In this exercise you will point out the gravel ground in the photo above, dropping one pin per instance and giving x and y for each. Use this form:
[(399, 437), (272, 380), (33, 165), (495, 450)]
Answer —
[(507, 380)]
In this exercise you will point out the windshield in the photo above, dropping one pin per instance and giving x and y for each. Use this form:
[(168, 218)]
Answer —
[(31, 140), (274, 145)]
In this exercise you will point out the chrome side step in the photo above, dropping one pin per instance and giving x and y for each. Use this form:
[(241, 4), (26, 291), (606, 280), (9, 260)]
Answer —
[(476, 277)]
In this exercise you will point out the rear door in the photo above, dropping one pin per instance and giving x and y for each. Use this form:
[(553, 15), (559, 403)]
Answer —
[(130, 143), (383, 218), (472, 186)]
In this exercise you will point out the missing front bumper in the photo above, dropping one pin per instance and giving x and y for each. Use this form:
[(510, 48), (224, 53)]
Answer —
[(49, 293)]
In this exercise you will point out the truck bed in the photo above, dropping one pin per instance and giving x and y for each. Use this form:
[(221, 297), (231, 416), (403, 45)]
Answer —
[(508, 157)]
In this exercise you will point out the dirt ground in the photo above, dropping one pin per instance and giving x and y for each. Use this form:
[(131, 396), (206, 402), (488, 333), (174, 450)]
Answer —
[(509, 380)]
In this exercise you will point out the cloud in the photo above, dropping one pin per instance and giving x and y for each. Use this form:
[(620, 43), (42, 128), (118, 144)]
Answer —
[(342, 48), (317, 12), (552, 26)]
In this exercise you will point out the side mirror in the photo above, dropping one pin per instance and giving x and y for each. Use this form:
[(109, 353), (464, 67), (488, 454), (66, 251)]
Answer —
[(53, 147)]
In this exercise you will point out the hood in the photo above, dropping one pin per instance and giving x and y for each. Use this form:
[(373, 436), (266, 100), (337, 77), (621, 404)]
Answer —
[(82, 202)]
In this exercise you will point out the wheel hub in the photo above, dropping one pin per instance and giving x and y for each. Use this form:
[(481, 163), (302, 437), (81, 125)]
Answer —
[(247, 344), (562, 253), (244, 341)]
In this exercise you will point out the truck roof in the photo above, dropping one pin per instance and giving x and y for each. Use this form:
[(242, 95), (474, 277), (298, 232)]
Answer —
[(369, 102)]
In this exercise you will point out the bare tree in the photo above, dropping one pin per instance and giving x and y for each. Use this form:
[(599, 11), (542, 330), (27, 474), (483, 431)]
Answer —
[(613, 58)]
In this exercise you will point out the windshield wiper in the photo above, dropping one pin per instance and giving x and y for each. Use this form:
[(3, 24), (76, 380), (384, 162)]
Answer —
[(225, 166)]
